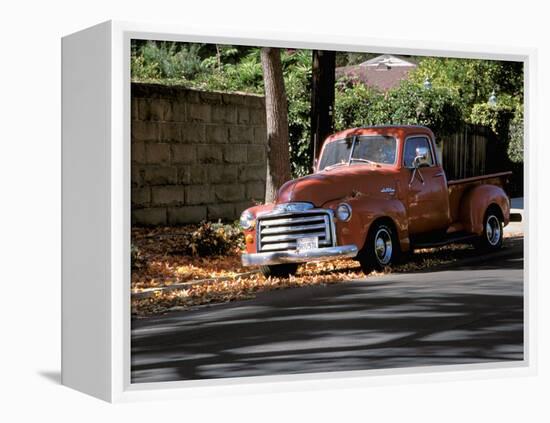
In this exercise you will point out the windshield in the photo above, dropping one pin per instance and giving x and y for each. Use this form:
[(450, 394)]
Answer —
[(368, 148)]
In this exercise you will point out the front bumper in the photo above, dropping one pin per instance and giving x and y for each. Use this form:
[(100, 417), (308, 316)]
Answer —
[(294, 256)]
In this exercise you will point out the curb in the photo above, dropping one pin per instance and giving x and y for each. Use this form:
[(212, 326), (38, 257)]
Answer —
[(150, 292)]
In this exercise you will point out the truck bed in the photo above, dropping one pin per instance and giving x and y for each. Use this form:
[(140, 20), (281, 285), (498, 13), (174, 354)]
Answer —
[(458, 187)]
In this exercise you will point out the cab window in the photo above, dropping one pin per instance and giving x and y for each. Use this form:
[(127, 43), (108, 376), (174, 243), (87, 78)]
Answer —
[(411, 145)]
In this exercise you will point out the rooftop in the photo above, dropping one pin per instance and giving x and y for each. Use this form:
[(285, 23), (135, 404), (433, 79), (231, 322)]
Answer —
[(383, 72)]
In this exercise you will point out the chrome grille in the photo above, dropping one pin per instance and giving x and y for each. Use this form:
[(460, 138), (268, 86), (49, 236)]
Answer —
[(280, 231)]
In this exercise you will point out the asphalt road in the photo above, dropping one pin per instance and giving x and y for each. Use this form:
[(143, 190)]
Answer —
[(467, 314)]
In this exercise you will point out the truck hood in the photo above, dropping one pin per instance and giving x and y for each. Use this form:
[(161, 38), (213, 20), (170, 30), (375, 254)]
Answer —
[(338, 183)]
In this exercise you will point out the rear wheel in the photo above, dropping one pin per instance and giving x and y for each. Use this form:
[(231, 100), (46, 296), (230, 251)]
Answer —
[(491, 238), (380, 250), (279, 270)]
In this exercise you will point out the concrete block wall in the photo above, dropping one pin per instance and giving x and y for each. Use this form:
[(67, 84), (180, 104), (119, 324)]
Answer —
[(196, 155)]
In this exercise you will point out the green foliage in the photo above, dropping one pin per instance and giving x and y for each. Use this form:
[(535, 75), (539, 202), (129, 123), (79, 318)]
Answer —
[(506, 123), (246, 75), (166, 60), (297, 75), (357, 105), (515, 146), (437, 108), (471, 80), (409, 104), (495, 117)]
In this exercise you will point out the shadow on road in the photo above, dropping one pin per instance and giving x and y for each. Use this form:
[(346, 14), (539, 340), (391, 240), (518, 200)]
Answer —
[(509, 257), (467, 315)]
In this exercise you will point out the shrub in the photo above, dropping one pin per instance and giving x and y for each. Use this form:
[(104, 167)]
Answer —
[(213, 239), (356, 105), (166, 60), (495, 117), (245, 76), (515, 145), (472, 80), (410, 103), (506, 121)]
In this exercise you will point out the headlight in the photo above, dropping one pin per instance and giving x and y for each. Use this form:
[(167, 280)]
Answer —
[(247, 220), (343, 212)]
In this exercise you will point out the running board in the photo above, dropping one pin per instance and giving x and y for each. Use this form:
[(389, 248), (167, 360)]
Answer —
[(462, 238)]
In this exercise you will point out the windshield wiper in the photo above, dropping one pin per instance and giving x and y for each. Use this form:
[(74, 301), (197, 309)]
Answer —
[(362, 160), (335, 165)]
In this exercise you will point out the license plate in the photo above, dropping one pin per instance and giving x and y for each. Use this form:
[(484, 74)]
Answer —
[(308, 243)]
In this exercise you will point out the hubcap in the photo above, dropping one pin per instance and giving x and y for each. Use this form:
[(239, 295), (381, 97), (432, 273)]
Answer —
[(383, 246), (492, 228)]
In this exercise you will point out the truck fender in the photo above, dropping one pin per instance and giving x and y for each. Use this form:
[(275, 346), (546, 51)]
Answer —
[(366, 210), (475, 203)]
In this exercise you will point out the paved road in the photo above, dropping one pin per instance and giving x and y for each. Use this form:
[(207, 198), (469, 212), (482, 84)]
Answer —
[(471, 314)]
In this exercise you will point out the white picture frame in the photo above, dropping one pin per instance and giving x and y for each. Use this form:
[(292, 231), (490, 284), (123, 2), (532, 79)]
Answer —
[(96, 214)]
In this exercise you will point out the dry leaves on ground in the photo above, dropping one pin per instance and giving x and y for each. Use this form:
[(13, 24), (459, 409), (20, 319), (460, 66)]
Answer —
[(161, 264)]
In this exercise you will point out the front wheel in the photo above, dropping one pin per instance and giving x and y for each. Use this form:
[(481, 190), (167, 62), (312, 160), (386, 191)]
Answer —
[(491, 238), (279, 270), (380, 250)]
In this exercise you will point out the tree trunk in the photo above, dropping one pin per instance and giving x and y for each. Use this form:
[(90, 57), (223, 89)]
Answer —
[(322, 99), (278, 157)]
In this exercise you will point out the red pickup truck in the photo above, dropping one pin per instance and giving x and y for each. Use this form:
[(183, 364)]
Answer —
[(376, 193)]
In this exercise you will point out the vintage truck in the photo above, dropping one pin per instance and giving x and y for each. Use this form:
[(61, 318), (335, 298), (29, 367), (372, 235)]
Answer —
[(376, 193)]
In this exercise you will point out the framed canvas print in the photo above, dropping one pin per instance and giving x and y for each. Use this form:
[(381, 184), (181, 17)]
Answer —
[(268, 213)]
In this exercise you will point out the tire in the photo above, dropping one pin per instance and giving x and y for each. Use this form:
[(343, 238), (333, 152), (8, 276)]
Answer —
[(279, 270), (380, 250), (493, 231)]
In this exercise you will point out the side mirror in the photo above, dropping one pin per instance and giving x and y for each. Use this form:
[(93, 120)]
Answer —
[(421, 158), (419, 161)]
